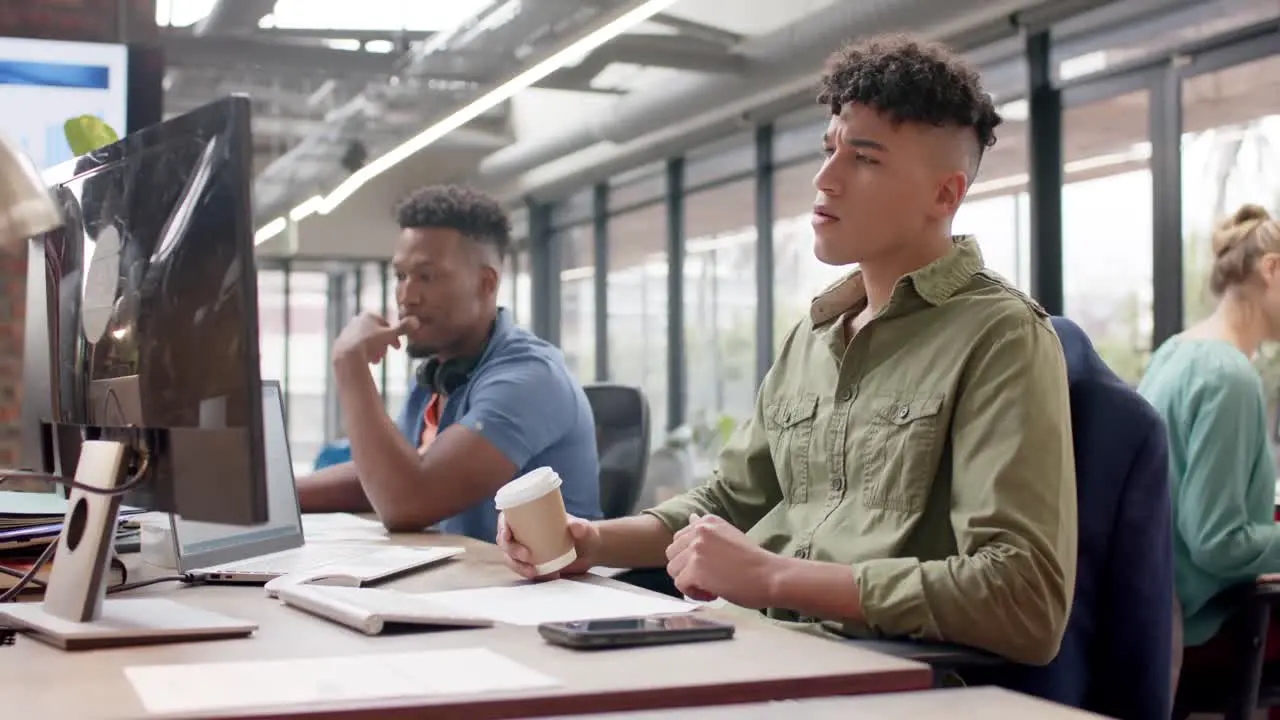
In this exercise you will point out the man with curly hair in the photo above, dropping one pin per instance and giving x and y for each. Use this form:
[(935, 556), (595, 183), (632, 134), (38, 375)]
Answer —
[(492, 400), (908, 470)]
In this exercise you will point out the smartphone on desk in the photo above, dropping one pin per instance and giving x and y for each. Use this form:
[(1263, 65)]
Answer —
[(633, 631)]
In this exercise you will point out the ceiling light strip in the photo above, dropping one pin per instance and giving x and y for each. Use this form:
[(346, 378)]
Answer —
[(525, 79)]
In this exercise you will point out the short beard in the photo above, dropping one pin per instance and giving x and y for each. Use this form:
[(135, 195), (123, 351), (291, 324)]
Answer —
[(419, 351)]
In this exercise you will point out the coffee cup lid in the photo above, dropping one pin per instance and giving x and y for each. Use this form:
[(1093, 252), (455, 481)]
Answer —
[(527, 488)]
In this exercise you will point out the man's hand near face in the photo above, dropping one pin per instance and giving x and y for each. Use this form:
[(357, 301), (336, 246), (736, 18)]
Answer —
[(367, 338)]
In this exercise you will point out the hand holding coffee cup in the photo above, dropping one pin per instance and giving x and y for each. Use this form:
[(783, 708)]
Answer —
[(534, 529)]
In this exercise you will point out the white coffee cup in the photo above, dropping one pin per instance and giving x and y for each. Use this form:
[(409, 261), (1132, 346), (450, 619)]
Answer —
[(535, 514)]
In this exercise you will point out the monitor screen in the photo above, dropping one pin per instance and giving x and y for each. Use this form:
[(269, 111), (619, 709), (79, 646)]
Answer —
[(200, 544), (53, 81), (152, 308)]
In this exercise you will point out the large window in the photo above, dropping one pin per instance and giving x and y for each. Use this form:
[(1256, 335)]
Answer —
[(507, 284), (997, 211), (798, 275), (720, 305), (1230, 156), (522, 290), (637, 307), (308, 365), (399, 366), (370, 299), (271, 321), (578, 300), (1107, 229)]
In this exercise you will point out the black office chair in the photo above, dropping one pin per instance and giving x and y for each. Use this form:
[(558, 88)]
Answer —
[(622, 440), (1246, 683)]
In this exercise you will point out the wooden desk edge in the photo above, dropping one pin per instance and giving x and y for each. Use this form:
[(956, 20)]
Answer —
[(473, 707)]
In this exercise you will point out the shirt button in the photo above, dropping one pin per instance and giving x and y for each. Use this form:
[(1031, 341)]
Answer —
[(903, 411), (846, 395), (837, 482), (802, 552)]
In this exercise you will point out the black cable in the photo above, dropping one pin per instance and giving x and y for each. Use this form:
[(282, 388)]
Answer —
[(130, 484), (5, 570), (187, 578), (30, 575)]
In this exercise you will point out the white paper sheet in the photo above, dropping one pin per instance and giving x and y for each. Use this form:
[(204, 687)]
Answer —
[(206, 687), (341, 527), (555, 601)]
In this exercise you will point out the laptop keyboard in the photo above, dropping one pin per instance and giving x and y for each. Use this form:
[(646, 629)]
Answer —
[(302, 559), (359, 561)]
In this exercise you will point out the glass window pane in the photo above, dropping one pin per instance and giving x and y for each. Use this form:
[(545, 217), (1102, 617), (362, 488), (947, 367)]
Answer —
[(271, 322), (1230, 156), (308, 365), (507, 284), (1106, 229), (798, 275), (578, 300), (637, 307), (720, 310), (523, 291), (997, 210), (399, 367), (371, 300)]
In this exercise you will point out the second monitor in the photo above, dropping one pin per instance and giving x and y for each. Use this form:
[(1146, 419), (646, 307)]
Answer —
[(148, 297)]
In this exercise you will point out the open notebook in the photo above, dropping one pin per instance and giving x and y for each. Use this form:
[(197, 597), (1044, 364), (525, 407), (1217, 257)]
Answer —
[(372, 610)]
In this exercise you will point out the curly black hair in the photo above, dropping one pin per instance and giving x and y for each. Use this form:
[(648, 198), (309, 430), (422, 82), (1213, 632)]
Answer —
[(475, 215), (910, 80)]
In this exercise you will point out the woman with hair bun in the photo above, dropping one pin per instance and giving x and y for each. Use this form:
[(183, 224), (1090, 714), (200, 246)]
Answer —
[(1204, 384)]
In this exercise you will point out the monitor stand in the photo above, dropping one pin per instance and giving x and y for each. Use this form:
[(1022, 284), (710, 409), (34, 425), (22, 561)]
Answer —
[(75, 613)]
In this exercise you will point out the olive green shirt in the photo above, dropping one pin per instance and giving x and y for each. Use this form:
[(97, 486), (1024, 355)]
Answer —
[(932, 454)]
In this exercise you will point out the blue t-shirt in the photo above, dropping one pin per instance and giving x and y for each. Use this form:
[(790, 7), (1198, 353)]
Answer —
[(522, 398)]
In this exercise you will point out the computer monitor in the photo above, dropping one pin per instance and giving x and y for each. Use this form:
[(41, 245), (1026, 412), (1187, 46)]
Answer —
[(150, 362), (150, 313)]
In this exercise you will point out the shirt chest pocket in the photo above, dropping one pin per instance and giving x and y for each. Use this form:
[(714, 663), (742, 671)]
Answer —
[(900, 452), (789, 426)]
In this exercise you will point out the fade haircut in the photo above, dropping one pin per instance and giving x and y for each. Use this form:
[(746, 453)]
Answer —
[(475, 215), (911, 81)]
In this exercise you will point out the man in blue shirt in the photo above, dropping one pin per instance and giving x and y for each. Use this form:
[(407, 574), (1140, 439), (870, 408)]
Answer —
[(492, 401)]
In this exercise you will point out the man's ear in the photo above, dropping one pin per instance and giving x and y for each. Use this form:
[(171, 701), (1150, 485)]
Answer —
[(951, 192), (489, 279)]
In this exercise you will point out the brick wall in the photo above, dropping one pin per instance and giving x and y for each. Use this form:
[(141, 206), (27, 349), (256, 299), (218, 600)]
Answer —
[(85, 20), (13, 276)]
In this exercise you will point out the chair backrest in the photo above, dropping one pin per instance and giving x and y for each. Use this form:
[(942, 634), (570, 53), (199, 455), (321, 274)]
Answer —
[(622, 440), (1116, 654)]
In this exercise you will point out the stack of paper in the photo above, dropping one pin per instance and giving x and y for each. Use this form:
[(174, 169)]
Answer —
[(30, 519)]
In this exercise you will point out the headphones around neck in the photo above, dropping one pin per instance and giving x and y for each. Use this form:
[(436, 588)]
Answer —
[(444, 377)]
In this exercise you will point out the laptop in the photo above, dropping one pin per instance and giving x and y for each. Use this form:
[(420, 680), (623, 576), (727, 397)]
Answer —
[(257, 554)]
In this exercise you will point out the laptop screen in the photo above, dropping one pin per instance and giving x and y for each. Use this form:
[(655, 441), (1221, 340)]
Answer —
[(201, 544)]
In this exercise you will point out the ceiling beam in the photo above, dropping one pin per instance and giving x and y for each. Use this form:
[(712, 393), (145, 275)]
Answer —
[(268, 57), (697, 30), (666, 51), (286, 34), (232, 16)]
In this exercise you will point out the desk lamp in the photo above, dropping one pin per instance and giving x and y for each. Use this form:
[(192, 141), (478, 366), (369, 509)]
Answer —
[(26, 208)]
